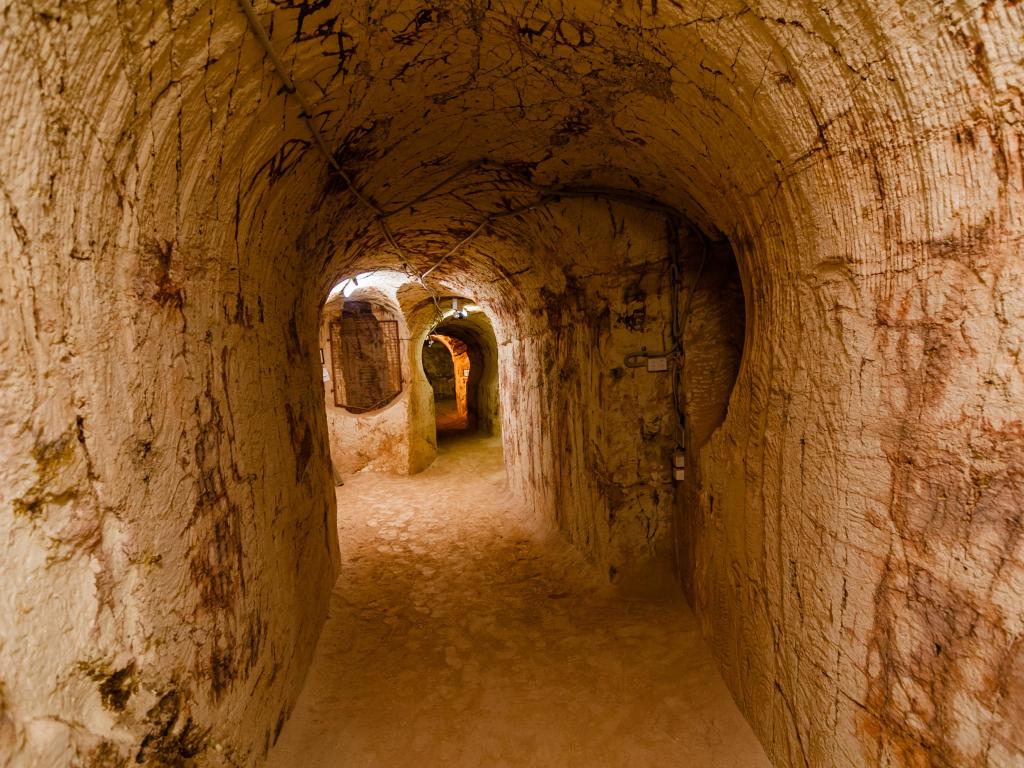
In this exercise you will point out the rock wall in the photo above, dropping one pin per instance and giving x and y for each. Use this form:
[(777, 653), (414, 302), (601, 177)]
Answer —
[(713, 326), (589, 438), (438, 365), (166, 513), (460, 374)]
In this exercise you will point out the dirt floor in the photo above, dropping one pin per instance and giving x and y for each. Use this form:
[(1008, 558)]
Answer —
[(460, 635), (446, 413)]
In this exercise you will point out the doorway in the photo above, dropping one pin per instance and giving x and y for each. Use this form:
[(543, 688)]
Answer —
[(447, 365)]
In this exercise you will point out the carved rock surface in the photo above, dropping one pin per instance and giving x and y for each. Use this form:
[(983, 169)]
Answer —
[(850, 528)]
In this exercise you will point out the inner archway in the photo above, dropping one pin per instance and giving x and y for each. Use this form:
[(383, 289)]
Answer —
[(447, 366), (469, 335)]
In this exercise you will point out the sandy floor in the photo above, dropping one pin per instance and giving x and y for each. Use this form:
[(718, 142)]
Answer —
[(446, 414), (460, 637)]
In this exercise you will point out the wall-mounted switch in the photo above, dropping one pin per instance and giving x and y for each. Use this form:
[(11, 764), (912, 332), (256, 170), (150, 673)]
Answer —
[(657, 364)]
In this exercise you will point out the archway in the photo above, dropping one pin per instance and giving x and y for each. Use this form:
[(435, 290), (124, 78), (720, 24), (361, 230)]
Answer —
[(447, 366), (473, 333), (366, 377)]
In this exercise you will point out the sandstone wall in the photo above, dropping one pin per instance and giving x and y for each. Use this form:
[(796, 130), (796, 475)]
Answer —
[(713, 325), (166, 514), (439, 367), (588, 438)]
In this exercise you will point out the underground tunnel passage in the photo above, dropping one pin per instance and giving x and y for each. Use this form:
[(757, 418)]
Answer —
[(744, 487), (446, 363), (461, 631)]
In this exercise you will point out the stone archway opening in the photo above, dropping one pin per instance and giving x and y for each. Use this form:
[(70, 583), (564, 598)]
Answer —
[(438, 367), (363, 350), (447, 366), (469, 337)]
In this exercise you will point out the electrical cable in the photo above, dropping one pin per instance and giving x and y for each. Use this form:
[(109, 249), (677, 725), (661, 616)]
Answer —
[(693, 286), (306, 114), (471, 166), (479, 228), (555, 194), (679, 324)]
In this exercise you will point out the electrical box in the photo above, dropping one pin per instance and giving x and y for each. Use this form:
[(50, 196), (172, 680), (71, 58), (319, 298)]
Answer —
[(657, 364), (678, 464)]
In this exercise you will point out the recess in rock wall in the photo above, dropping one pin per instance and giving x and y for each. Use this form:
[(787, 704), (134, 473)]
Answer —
[(368, 380), (365, 357), (713, 330)]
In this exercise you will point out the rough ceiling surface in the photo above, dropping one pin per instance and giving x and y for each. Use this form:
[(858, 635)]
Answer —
[(169, 229)]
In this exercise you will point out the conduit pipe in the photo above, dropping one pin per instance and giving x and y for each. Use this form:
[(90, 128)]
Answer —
[(306, 115)]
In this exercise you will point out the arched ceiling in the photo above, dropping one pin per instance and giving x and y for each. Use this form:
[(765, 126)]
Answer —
[(732, 113), (474, 330), (761, 122)]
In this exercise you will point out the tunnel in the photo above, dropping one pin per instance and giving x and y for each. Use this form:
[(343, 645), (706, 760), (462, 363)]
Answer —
[(464, 343), (752, 396)]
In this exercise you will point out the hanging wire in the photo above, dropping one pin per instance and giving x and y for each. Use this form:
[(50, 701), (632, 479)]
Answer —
[(679, 321), (306, 114)]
